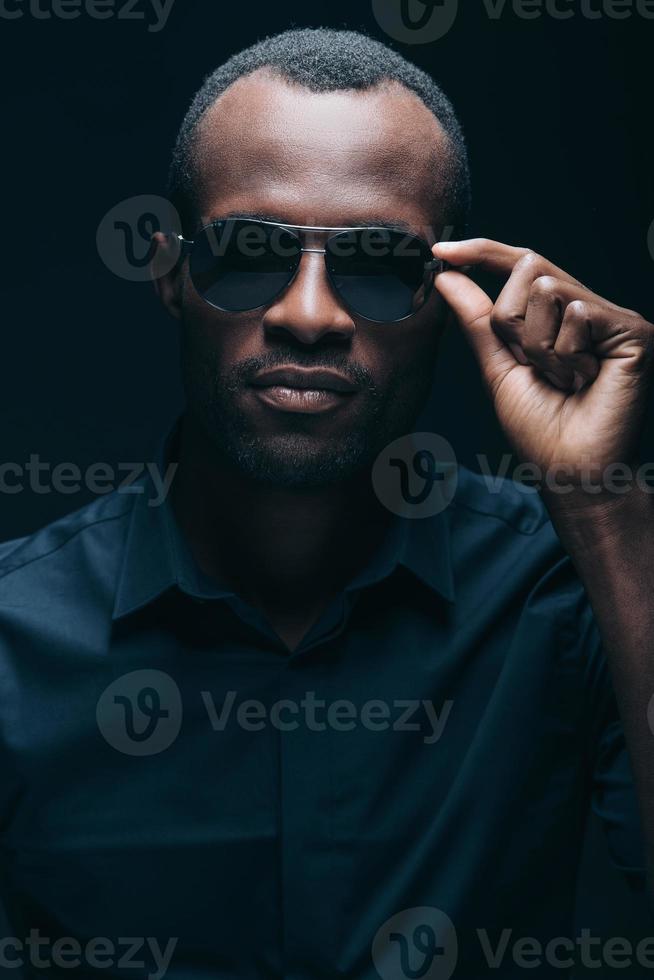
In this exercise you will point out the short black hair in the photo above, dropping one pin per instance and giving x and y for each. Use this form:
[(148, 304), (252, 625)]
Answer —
[(322, 60)]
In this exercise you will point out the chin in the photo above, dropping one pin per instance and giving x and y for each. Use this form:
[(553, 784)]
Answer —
[(294, 461)]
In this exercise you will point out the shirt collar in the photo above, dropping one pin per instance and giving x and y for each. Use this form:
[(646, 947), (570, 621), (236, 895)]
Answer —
[(157, 557), (421, 546)]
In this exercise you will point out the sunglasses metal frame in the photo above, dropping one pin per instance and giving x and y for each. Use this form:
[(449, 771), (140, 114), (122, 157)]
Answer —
[(434, 265)]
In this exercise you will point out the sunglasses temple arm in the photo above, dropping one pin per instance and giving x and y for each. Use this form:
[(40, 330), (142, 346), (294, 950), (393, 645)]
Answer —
[(437, 265), (185, 245)]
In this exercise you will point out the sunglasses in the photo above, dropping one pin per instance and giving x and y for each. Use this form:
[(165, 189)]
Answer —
[(381, 274)]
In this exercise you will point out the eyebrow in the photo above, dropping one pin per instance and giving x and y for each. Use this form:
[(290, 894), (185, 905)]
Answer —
[(372, 222)]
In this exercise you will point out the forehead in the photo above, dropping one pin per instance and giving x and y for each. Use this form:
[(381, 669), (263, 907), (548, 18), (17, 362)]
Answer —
[(321, 158)]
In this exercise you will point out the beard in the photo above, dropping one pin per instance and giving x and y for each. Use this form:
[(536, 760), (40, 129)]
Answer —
[(300, 457)]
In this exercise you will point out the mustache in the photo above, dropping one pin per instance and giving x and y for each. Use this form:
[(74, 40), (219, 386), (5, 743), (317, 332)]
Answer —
[(243, 373)]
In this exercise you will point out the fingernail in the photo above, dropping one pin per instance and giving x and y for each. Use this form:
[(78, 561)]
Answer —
[(579, 381), (518, 353)]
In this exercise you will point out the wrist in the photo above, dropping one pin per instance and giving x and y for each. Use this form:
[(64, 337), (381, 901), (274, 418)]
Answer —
[(597, 517)]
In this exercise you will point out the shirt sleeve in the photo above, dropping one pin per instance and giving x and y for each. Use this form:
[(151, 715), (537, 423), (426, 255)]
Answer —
[(613, 794)]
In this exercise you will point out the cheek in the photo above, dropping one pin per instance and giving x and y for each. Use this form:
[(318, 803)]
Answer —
[(222, 338), (408, 350)]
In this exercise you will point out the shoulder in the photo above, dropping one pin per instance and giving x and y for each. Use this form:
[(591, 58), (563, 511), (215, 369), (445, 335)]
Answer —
[(503, 542), (496, 516), (75, 549), (494, 501)]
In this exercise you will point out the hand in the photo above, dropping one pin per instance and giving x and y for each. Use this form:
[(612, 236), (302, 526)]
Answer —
[(568, 372)]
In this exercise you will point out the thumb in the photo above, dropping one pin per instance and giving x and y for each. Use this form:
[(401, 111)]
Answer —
[(472, 308)]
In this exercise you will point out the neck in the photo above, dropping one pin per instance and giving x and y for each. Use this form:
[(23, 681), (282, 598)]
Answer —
[(279, 547)]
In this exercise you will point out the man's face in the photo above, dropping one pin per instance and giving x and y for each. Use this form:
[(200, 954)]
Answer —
[(329, 159)]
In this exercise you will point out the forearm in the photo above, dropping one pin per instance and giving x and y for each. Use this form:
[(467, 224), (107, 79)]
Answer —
[(611, 542)]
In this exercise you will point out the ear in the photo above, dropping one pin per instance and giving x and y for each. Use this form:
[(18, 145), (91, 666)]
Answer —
[(166, 271)]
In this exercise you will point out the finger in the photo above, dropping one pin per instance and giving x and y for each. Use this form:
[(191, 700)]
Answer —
[(583, 324), (591, 333), (495, 257), (531, 272), (472, 308), (540, 333), (492, 256), (510, 315)]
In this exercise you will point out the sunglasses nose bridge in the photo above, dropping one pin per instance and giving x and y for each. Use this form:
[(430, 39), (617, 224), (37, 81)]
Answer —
[(309, 307), (311, 276)]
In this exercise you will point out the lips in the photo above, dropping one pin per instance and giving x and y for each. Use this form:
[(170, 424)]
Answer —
[(307, 391), (313, 379)]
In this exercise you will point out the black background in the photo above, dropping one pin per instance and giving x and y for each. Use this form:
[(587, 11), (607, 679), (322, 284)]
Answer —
[(558, 118)]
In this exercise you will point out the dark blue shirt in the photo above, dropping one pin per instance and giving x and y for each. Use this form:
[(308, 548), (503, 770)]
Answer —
[(412, 780)]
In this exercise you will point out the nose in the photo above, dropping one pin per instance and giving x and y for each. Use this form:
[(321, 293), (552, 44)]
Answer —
[(309, 310)]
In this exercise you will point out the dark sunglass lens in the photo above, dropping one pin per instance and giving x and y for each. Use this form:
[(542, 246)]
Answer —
[(380, 273), (241, 265)]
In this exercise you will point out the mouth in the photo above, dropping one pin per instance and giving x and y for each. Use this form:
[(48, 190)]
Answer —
[(309, 391)]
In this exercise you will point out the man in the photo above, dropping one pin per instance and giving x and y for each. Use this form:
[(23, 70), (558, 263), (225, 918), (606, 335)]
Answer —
[(272, 728)]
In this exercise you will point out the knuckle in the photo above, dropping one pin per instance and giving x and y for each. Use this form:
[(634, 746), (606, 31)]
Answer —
[(642, 324), (506, 318), (544, 286), (530, 260), (642, 352), (641, 357), (565, 347), (578, 309), (484, 246), (629, 314)]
